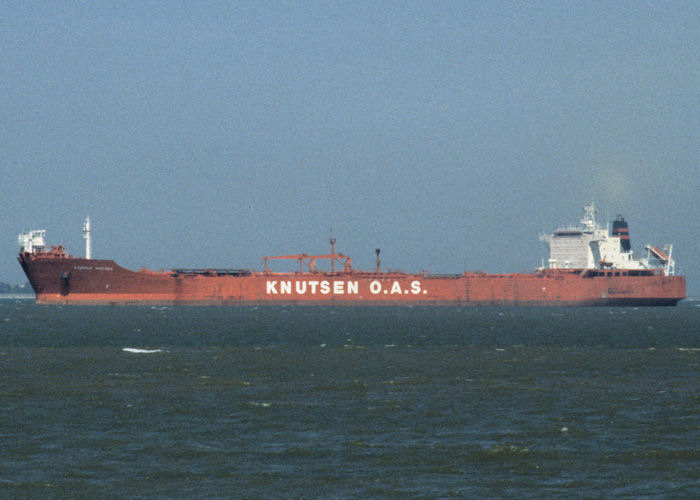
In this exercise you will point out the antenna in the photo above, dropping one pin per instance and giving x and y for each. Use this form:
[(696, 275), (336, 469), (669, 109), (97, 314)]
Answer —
[(332, 241), (88, 241)]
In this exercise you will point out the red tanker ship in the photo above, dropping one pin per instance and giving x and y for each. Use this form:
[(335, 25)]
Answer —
[(588, 266)]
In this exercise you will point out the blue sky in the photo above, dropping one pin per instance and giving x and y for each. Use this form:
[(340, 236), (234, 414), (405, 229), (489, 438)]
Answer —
[(448, 134)]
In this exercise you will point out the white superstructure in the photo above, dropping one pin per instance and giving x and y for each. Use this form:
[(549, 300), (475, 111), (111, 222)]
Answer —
[(591, 246), (32, 242)]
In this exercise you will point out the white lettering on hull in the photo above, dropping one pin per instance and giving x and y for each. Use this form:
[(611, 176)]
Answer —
[(342, 287), (90, 268)]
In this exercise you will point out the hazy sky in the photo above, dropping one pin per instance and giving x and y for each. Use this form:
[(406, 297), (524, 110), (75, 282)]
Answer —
[(448, 134)]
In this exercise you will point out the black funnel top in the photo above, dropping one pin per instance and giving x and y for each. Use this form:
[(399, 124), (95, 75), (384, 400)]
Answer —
[(620, 229)]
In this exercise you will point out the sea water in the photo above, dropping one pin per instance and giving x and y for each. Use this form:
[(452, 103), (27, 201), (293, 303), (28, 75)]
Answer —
[(365, 402)]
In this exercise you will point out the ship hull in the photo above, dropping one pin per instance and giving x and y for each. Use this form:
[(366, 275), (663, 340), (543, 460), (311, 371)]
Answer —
[(70, 280)]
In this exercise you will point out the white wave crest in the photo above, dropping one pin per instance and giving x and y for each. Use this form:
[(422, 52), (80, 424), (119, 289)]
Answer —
[(136, 350)]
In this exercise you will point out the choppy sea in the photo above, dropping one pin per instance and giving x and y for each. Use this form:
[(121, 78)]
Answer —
[(324, 402)]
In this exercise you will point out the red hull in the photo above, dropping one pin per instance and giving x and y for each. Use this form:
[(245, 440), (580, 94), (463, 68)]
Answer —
[(59, 279)]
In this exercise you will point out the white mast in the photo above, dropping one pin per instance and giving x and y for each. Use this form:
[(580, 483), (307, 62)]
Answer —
[(86, 235), (588, 221)]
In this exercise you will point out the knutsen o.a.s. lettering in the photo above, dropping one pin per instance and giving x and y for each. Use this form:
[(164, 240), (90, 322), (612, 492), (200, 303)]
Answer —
[(340, 287)]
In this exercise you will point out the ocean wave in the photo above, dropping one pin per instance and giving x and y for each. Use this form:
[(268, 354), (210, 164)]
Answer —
[(136, 350)]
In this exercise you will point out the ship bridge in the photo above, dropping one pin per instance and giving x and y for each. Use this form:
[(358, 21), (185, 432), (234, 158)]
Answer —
[(592, 246)]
